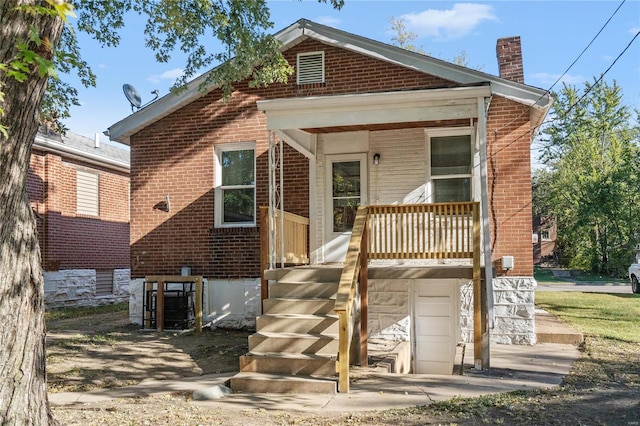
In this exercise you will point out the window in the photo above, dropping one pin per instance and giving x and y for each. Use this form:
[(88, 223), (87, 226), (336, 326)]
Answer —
[(450, 164), (236, 185), (310, 67), (86, 193)]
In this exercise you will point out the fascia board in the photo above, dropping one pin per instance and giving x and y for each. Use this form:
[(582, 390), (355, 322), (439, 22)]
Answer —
[(398, 98), (48, 145), (373, 108)]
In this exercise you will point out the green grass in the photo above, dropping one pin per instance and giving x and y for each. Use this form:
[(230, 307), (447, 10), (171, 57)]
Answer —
[(66, 313), (545, 275), (610, 316)]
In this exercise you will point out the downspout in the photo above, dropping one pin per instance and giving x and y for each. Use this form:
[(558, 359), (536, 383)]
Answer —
[(483, 108)]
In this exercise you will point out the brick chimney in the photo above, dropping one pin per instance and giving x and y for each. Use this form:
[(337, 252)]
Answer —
[(509, 53)]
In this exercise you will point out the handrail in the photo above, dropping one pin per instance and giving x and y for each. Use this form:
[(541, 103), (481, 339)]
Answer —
[(416, 231), (354, 272), (295, 236)]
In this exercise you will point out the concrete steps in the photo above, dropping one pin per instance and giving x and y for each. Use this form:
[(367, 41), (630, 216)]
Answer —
[(295, 346), (280, 383)]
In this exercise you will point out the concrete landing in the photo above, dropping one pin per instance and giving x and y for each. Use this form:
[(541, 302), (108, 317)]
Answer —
[(551, 329)]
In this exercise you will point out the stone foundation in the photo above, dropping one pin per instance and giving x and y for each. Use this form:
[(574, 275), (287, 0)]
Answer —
[(514, 311), (77, 287)]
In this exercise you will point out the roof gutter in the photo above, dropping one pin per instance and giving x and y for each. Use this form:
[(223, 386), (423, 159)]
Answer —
[(48, 145)]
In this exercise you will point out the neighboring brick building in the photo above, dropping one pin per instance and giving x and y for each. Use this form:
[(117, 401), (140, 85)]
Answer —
[(406, 127), (79, 190)]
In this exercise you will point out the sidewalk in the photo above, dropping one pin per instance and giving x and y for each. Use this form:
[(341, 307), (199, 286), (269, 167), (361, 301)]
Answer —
[(512, 368)]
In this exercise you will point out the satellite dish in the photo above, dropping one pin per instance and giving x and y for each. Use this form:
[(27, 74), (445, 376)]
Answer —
[(132, 96)]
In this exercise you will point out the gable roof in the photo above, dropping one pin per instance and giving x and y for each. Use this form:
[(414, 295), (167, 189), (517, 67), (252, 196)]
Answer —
[(84, 149), (538, 99)]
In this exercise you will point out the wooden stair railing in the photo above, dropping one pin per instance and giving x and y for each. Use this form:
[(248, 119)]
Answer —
[(352, 294), (417, 231)]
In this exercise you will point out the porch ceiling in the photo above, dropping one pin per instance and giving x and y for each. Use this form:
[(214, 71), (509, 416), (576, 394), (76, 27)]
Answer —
[(370, 110)]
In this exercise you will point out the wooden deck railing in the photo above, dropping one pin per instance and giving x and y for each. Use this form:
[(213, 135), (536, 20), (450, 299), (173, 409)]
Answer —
[(420, 231), (291, 238)]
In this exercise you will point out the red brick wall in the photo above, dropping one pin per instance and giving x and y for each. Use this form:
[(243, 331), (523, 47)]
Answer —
[(175, 157), (71, 241), (509, 185)]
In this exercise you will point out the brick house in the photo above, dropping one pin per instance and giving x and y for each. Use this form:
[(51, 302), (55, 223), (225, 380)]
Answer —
[(432, 151), (79, 191)]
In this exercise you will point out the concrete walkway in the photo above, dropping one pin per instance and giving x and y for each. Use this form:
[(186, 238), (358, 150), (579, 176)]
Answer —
[(512, 368)]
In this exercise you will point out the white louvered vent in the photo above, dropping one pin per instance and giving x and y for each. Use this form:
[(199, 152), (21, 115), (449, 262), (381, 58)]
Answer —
[(86, 193), (310, 68)]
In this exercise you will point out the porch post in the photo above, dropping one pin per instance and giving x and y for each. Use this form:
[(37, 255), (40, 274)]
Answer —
[(485, 292)]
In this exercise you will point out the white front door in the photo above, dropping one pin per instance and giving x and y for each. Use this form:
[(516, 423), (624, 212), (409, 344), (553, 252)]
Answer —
[(346, 189)]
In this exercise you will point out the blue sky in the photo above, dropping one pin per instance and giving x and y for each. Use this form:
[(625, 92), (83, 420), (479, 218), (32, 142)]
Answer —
[(553, 33)]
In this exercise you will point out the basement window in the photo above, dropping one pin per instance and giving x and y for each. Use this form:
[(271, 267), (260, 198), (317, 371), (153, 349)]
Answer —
[(310, 67)]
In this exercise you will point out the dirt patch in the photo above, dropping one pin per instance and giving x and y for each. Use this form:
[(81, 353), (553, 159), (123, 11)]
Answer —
[(106, 351)]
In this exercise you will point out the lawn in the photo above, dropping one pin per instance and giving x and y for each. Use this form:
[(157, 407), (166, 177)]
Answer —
[(607, 316)]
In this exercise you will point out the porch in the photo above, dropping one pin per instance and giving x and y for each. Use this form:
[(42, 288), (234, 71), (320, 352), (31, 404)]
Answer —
[(315, 317)]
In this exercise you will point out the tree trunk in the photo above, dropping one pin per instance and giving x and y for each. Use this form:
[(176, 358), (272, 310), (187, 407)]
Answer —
[(23, 393)]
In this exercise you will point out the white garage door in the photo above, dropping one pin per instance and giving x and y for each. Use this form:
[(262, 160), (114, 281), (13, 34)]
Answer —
[(436, 315)]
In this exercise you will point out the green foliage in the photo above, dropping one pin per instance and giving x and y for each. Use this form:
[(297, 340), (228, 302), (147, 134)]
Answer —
[(403, 37), (591, 183), (187, 26)]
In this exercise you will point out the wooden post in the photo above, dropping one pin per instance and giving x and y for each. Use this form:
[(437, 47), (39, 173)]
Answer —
[(364, 298), (198, 304), (160, 306), (264, 253), (478, 322), (343, 352)]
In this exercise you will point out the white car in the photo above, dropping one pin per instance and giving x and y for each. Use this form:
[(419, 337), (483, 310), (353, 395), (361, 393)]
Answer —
[(634, 276)]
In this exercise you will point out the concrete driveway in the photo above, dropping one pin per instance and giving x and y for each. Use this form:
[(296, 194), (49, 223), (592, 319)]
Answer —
[(585, 287)]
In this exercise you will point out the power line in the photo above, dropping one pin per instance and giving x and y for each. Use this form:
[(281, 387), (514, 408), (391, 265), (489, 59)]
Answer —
[(597, 81), (548, 91)]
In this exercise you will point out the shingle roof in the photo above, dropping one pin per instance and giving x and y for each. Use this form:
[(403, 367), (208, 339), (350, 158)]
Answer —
[(84, 148)]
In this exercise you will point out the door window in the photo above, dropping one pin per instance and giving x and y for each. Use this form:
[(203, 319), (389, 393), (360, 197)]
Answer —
[(346, 193)]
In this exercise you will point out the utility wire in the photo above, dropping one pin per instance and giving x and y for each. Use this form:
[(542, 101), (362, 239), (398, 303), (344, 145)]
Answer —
[(597, 81), (548, 91)]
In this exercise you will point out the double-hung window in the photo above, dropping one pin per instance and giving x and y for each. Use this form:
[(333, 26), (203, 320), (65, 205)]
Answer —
[(450, 165), (235, 203)]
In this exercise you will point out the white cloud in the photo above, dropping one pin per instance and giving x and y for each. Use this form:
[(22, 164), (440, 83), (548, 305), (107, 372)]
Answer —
[(456, 22), (329, 21), (545, 79), (167, 75), (634, 30)]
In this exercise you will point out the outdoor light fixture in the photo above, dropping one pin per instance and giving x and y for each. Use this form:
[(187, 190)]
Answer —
[(376, 159)]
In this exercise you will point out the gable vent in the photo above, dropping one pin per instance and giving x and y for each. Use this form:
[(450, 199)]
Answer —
[(310, 68)]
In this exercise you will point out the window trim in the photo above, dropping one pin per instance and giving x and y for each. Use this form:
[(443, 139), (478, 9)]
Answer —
[(218, 189), (444, 132)]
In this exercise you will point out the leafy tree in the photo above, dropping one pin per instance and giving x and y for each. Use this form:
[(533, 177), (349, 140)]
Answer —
[(592, 179), (405, 39), (34, 43)]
